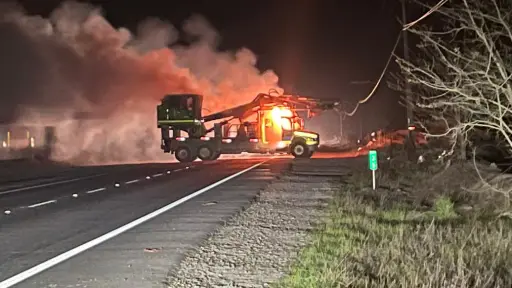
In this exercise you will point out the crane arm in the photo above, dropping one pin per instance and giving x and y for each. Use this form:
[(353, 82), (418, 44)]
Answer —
[(235, 112), (293, 101), (242, 111), (310, 104)]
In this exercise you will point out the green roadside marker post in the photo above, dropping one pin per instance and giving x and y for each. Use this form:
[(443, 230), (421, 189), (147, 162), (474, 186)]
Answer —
[(373, 164)]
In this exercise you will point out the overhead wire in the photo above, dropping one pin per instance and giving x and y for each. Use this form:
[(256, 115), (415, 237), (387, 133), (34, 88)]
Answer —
[(432, 10), (378, 82), (405, 27)]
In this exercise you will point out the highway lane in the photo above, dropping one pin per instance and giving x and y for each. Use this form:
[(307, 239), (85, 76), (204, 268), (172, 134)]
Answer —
[(31, 195), (39, 177), (31, 236)]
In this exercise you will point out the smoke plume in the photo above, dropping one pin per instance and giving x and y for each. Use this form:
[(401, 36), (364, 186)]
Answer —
[(76, 63)]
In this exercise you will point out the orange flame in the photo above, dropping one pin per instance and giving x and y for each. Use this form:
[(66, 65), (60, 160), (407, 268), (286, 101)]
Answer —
[(277, 117)]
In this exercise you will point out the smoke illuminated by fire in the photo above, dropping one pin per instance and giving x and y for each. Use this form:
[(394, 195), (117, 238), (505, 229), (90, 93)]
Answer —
[(76, 62)]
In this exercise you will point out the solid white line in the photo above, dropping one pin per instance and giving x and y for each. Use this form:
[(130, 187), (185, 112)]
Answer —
[(158, 175), (95, 190), (48, 184), (88, 245), (178, 170), (132, 181), (42, 203)]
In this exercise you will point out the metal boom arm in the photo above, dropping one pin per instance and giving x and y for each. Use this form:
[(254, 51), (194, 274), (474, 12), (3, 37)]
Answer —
[(262, 99)]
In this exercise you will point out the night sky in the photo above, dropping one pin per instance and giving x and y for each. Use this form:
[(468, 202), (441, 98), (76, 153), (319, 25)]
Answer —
[(317, 48)]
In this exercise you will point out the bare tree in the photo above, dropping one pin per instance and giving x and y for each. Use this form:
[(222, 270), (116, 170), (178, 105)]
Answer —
[(461, 71)]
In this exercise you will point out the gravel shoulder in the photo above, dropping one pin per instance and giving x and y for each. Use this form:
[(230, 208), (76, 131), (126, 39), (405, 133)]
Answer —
[(257, 247)]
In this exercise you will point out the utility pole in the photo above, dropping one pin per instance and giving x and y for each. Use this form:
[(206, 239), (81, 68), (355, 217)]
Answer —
[(406, 57), (411, 141), (341, 125), (361, 129)]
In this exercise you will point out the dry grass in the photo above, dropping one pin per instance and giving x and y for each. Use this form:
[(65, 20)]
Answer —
[(421, 228)]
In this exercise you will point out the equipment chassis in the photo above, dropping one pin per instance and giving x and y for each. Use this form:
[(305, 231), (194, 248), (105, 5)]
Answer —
[(206, 148)]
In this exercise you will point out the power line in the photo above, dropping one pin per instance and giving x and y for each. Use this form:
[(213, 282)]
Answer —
[(432, 10), (405, 27), (378, 82)]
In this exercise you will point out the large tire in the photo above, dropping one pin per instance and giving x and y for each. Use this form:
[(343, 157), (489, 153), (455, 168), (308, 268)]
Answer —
[(184, 154), (205, 153), (300, 150), (215, 156)]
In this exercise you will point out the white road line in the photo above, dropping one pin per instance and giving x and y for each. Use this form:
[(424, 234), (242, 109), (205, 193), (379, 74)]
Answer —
[(158, 175), (132, 181), (42, 203), (177, 170), (96, 190), (88, 245), (48, 184)]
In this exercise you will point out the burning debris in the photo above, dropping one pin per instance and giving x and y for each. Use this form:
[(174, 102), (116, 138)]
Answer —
[(75, 62)]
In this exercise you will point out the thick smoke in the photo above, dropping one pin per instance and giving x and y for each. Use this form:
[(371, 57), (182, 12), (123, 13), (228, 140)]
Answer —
[(75, 63)]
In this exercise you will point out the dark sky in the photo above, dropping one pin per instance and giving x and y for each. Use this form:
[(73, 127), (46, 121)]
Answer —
[(316, 47)]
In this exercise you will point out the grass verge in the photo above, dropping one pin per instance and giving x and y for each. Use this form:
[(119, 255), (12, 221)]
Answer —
[(371, 240)]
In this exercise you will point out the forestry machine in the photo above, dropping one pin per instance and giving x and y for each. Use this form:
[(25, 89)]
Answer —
[(268, 124)]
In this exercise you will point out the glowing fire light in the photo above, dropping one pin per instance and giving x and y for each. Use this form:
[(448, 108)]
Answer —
[(278, 113)]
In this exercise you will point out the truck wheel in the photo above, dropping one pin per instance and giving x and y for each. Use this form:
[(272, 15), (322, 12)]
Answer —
[(183, 154), (300, 150), (205, 153), (215, 156)]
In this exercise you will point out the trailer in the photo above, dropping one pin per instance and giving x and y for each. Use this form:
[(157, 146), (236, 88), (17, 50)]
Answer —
[(268, 124)]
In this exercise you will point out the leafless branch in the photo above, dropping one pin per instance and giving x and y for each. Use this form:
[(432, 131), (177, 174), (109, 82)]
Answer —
[(461, 77)]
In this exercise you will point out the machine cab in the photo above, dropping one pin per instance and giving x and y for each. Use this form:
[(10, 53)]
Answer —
[(180, 107), (291, 124)]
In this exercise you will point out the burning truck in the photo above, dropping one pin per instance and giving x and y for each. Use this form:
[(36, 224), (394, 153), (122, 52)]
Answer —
[(268, 124)]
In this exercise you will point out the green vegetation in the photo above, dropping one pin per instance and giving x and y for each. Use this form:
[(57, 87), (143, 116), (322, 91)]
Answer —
[(376, 239)]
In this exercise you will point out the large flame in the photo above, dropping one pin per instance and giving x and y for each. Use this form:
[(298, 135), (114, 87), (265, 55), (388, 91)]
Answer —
[(280, 117)]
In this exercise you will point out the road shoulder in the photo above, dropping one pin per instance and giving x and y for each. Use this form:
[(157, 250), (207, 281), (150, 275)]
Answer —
[(257, 246)]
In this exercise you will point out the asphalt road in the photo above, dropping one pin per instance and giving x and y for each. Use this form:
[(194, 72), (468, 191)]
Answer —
[(40, 221)]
